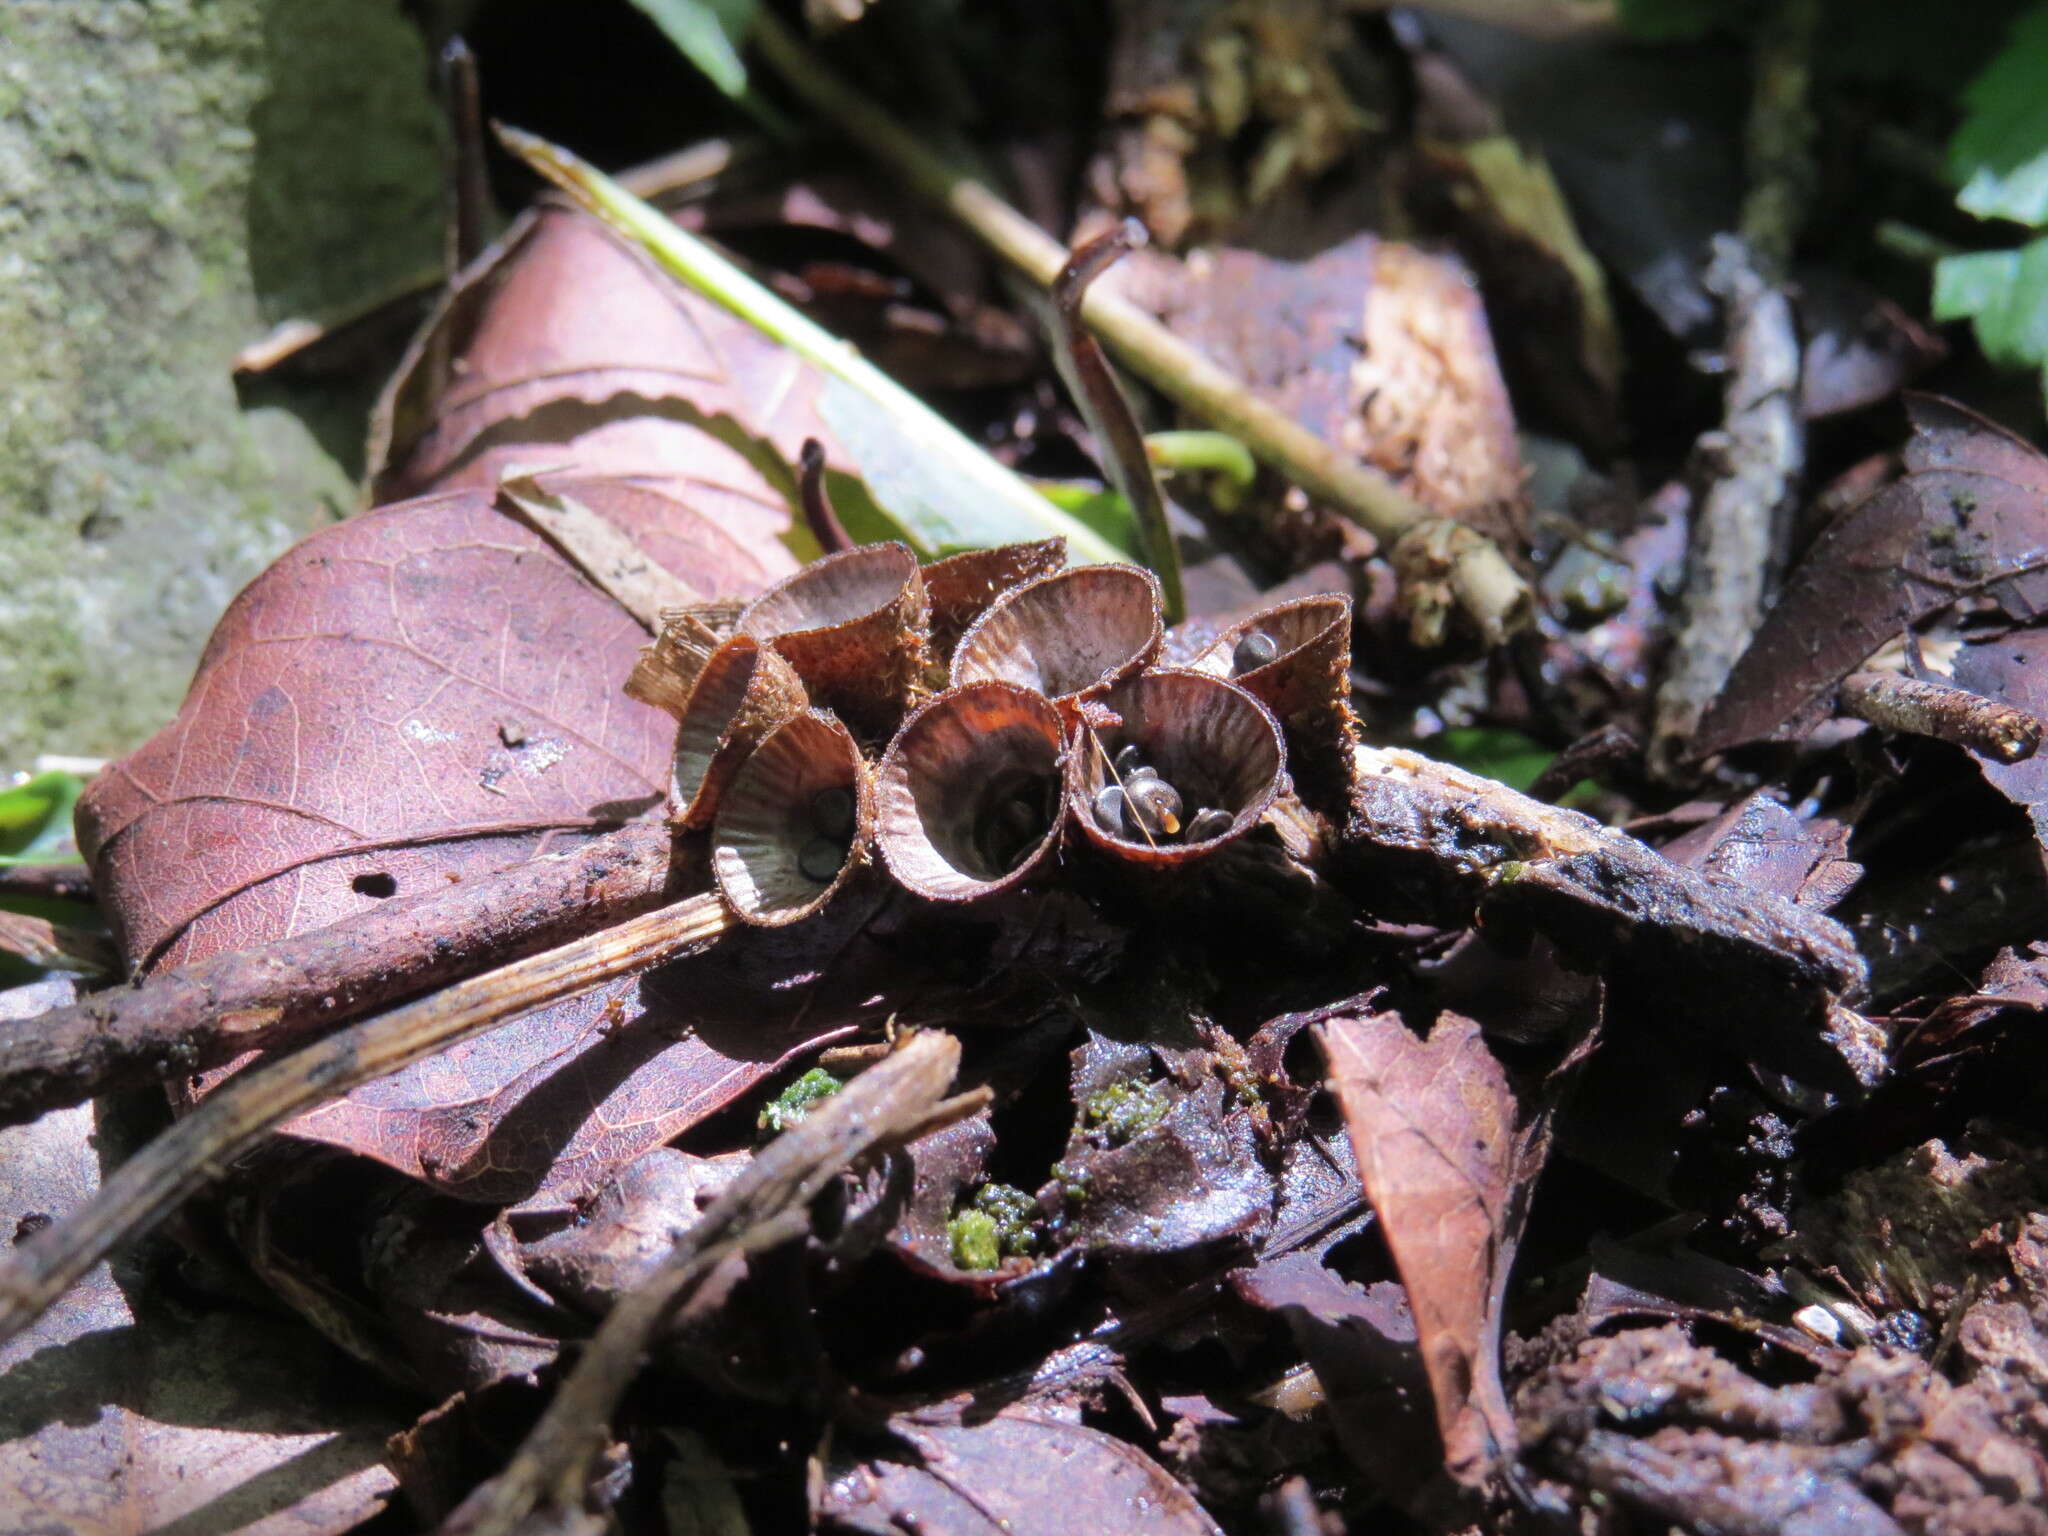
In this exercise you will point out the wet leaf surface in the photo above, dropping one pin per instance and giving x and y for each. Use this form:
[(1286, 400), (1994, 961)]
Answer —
[(1015, 1472)]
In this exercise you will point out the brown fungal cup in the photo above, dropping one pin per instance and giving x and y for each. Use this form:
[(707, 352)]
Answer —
[(1065, 634), (794, 822), (854, 626), (1215, 748), (1295, 658), (744, 691), (969, 795), (960, 588)]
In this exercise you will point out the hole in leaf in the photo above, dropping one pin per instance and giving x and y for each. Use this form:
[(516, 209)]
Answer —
[(379, 885)]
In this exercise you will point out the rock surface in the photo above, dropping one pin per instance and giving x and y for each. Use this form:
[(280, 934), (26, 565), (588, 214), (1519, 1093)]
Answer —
[(174, 179)]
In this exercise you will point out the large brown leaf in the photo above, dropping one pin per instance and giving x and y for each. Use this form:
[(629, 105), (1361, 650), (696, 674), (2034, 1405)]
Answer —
[(564, 347), (1970, 515), (426, 693), (1448, 1153)]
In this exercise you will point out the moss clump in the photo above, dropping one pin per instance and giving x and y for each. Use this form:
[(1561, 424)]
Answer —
[(975, 1240), (995, 1225), (1123, 1110), (797, 1100)]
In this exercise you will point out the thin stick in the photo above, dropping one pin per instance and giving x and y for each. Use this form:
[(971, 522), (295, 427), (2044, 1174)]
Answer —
[(1498, 599), (1109, 413), (891, 1103), (202, 1015), (469, 187), (1925, 707), (147, 1188), (823, 522)]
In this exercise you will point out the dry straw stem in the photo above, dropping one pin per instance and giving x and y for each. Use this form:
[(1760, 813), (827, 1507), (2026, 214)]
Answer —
[(178, 1163), (1496, 597), (889, 1105)]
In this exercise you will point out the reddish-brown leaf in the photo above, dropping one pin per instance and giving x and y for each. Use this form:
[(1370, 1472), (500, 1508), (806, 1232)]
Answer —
[(1970, 515), (421, 694), (563, 347), (1377, 346), (1447, 1152)]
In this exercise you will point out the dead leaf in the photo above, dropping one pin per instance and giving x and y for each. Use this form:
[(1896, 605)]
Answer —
[(1448, 1152), (2013, 669), (1378, 347), (1971, 515), (115, 1418), (1016, 1472), (1546, 292), (564, 347), (346, 739)]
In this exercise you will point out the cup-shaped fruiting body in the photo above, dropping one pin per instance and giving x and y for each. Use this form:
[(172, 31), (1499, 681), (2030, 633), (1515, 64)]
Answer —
[(744, 691), (968, 797), (960, 588), (1295, 658), (1194, 764), (854, 627), (794, 822), (1065, 634)]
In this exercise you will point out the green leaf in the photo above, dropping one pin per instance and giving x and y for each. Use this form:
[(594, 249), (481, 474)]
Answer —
[(1680, 21), (1999, 153), (710, 34), (35, 819), (2004, 295), (1101, 508), (1509, 756), (984, 503)]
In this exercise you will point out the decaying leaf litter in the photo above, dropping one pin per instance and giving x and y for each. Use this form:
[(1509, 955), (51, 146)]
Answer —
[(727, 949)]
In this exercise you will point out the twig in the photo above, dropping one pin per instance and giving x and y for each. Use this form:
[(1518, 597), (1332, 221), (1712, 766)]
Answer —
[(147, 1188), (205, 1014), (1109, 413), (62, 882), (469, 187), (892, 1103), (823, 522), (1497, 598), (1741, 535), (1943, 711)]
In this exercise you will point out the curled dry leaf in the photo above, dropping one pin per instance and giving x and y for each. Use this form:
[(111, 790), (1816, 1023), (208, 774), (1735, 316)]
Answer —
[(1448, 1152), (1970, 516), (565, 346)]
